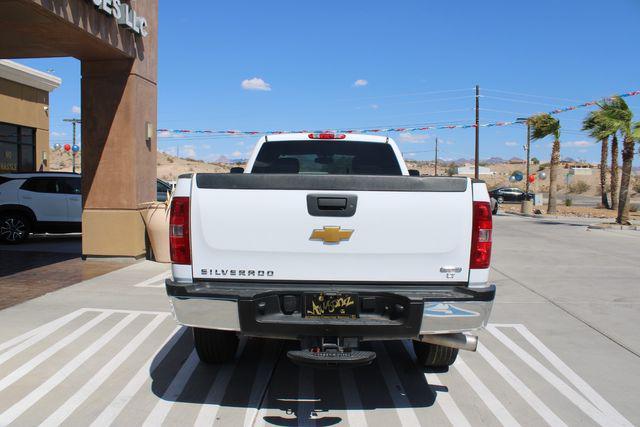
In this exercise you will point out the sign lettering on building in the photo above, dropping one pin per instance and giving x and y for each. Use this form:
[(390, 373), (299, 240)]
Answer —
[(124, 14)]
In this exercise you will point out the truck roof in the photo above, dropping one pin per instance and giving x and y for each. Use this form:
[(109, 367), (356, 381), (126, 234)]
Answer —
[(305, 137)]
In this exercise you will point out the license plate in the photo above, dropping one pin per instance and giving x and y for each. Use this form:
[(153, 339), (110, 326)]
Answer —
[(331, 305)]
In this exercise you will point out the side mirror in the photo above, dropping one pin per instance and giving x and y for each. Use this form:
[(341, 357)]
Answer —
[(414, 172), (236, 169)]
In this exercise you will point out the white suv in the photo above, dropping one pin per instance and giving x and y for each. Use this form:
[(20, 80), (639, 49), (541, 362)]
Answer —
[(44, 202)]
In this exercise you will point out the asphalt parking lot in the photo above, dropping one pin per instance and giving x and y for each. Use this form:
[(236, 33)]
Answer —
[(562, 349)]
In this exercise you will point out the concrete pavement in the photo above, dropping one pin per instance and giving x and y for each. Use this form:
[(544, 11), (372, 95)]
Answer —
[(561, 350)]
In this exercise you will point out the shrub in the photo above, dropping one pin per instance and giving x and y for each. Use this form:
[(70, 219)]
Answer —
[(636, 185), (578, 187), (568, 202), (634, 207), (169, 159)]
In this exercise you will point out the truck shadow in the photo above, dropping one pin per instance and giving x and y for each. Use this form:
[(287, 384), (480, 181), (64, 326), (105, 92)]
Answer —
[(263, 378)]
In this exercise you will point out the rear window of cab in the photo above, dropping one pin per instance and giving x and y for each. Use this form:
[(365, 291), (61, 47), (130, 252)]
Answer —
[(327, 157)]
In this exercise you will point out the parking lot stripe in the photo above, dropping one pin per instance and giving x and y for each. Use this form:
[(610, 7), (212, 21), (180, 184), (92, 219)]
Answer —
[(111, 412), (444, 400), (525, 392), (40, 334), (306, 396), (37, 360), (42, 331), (573, 378), (352, 400), (402, 404), (153, 282), (211, 405), (65, 410), (29, 400), (262, 377), (489, 399), (587, 407), (161, 410)]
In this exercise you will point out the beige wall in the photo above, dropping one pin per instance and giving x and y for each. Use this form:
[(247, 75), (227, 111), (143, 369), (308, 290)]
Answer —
[(25, 106)]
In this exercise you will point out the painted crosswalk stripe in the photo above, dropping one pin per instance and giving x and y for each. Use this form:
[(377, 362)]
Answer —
[(573, 378), (161, 410), (42, 331), (66, 409), (525, 392), (402, 404), (352, 400), (587, 407), (27, 367), (443, 400), (30, 399), (489, 399), (154, 282), (111, 412)]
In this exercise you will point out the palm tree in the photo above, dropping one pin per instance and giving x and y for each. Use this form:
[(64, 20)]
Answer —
[(596, 125), (614, 171), (617, 113), (544, 125)]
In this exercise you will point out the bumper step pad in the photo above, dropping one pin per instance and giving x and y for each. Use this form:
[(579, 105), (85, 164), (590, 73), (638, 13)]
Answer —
[(331, 358)]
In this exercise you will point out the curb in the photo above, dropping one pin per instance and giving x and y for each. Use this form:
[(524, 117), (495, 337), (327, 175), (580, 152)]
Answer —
[(613, 227)]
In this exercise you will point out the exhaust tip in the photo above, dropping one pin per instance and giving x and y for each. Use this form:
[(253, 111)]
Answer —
[(460, 340)]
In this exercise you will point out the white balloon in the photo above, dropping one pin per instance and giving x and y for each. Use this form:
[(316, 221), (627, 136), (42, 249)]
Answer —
[(542, 175), (57, 146)]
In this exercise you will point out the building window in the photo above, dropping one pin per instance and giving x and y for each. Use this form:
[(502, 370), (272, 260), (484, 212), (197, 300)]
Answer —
[(17, 148)]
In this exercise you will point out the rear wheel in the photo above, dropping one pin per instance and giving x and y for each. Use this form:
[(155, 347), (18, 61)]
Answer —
[(434, 356), (215, 346), (14, 228)]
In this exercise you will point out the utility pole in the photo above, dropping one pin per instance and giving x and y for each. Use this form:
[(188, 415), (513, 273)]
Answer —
[(436, 174), (527, 148), (528, 156), (477, 162), (73, 147)]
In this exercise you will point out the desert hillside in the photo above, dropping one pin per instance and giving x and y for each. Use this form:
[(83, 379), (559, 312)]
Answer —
[(170, 167)]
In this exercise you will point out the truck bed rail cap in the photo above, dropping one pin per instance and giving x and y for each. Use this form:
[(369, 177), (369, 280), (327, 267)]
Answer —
[(330, 182)]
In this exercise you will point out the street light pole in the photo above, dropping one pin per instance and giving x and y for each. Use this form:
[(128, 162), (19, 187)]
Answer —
[(73, 151)]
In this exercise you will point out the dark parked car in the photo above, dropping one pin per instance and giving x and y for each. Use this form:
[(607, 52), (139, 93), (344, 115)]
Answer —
[(510, 194)]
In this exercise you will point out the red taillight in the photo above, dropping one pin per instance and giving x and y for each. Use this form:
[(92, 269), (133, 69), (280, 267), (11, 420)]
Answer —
[(179, 231), (481, 237), (327, 135)]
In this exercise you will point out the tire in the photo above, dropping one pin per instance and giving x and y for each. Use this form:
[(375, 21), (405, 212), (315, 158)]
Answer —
[(14, 228), (215, 346), (495, 208), (500, 200), (434, 356)]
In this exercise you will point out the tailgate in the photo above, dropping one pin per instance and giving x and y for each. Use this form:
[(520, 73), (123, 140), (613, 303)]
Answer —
[(259, 227)]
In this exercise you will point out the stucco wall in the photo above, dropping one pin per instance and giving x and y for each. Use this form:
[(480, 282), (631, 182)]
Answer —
[(25, 106)]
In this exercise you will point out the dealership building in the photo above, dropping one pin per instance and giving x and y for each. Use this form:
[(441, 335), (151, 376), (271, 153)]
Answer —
[(116, 43), (24, 117)]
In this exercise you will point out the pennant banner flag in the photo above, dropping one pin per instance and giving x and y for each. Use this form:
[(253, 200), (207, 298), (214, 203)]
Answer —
[(172, 132)]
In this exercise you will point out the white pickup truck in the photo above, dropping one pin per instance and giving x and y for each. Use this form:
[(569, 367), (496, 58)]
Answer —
[(328, 239)]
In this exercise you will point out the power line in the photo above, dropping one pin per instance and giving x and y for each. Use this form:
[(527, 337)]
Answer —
[(399, 95), (530, 95), (519, 100)]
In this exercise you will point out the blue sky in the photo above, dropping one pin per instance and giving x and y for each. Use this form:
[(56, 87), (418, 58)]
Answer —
[(415, 62)]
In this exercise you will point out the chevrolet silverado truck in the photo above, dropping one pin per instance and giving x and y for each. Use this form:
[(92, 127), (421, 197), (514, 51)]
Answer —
[(329, 239)]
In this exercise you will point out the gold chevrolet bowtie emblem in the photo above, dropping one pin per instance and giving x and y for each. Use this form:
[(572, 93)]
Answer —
[(331, 235)]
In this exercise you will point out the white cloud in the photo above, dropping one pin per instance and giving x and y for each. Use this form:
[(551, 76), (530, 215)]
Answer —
[(360, 83), (236, 154), (577, 144), (255, 83), (169, 134), (510, 143), (187, 151), (75, 109), (58, 134), (413, 138), (374, 106)]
